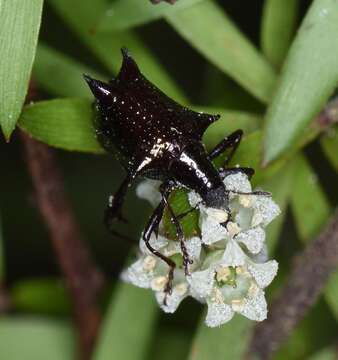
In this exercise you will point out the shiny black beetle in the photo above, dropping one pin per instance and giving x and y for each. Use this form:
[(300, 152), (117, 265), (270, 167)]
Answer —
[(157, 138)]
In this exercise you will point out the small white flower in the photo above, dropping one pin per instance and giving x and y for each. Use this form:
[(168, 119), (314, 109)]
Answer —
[(230, 268), (152, 272), (232, 284), (210, 226), (237, 182), (253, 239), (148, 190)]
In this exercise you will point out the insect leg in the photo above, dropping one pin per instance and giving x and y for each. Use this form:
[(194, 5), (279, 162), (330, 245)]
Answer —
[(113, 210), (229, 171), (151, 227), (258, 192), (230, 142), (166, 188)]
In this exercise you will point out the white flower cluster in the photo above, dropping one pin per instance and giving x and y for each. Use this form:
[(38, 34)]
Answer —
[(230, 268)]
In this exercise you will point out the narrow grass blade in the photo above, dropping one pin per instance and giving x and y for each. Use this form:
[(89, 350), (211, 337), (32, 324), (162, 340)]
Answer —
[(309, 76), (278, 26), (229, 122), (331, 293), (31, 338), (329, 143), (248, 155), (206, 27), (40, 296), (280, 186), (221, 91), (19, 29), (125, 14), (170, 343), (62, 123), (309, 204), (311, 211), (83, 16), (61, 75), (223, 342), (128, 326)]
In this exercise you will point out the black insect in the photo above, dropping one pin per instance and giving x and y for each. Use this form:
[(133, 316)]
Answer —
[(157, 138)]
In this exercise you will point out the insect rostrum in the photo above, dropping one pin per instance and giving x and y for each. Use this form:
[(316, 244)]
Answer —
[(155, 137)]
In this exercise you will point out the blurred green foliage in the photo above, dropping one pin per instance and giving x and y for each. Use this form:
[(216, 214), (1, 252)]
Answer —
[(250, 67)]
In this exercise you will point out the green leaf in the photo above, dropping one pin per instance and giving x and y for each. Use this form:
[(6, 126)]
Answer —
[(221, 91), (310, 75), (331, 293), (45, 295), (248, 155), (281, 187), (180, 205), (278, 25), (31, 338), (329, 143), (62, 123), (309, 204), (171, 343), (83, 18), (128, 326), (228, 123), (226, 342), (67, 124), (124, 14), (19, 28), (206, 27), (61, 75), (311, 211)]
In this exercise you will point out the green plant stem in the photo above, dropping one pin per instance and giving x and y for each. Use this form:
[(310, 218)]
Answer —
[(82, 278), (305, 284)]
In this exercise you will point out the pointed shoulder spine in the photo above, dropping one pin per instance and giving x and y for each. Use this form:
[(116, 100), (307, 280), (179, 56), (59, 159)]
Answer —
[(205, 120), (129, 69)]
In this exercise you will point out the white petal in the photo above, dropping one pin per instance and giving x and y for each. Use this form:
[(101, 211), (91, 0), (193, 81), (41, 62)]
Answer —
[(156, 242), (263, 273), (219, 215), (201, 283), (211, 230), (148, 190), (266, 208), (237, 182), (233, 255), (194, 246), (172, 302), (194, 198), (262, 256), (136, 275), (255, 308), (218, 314), (253, 239)]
